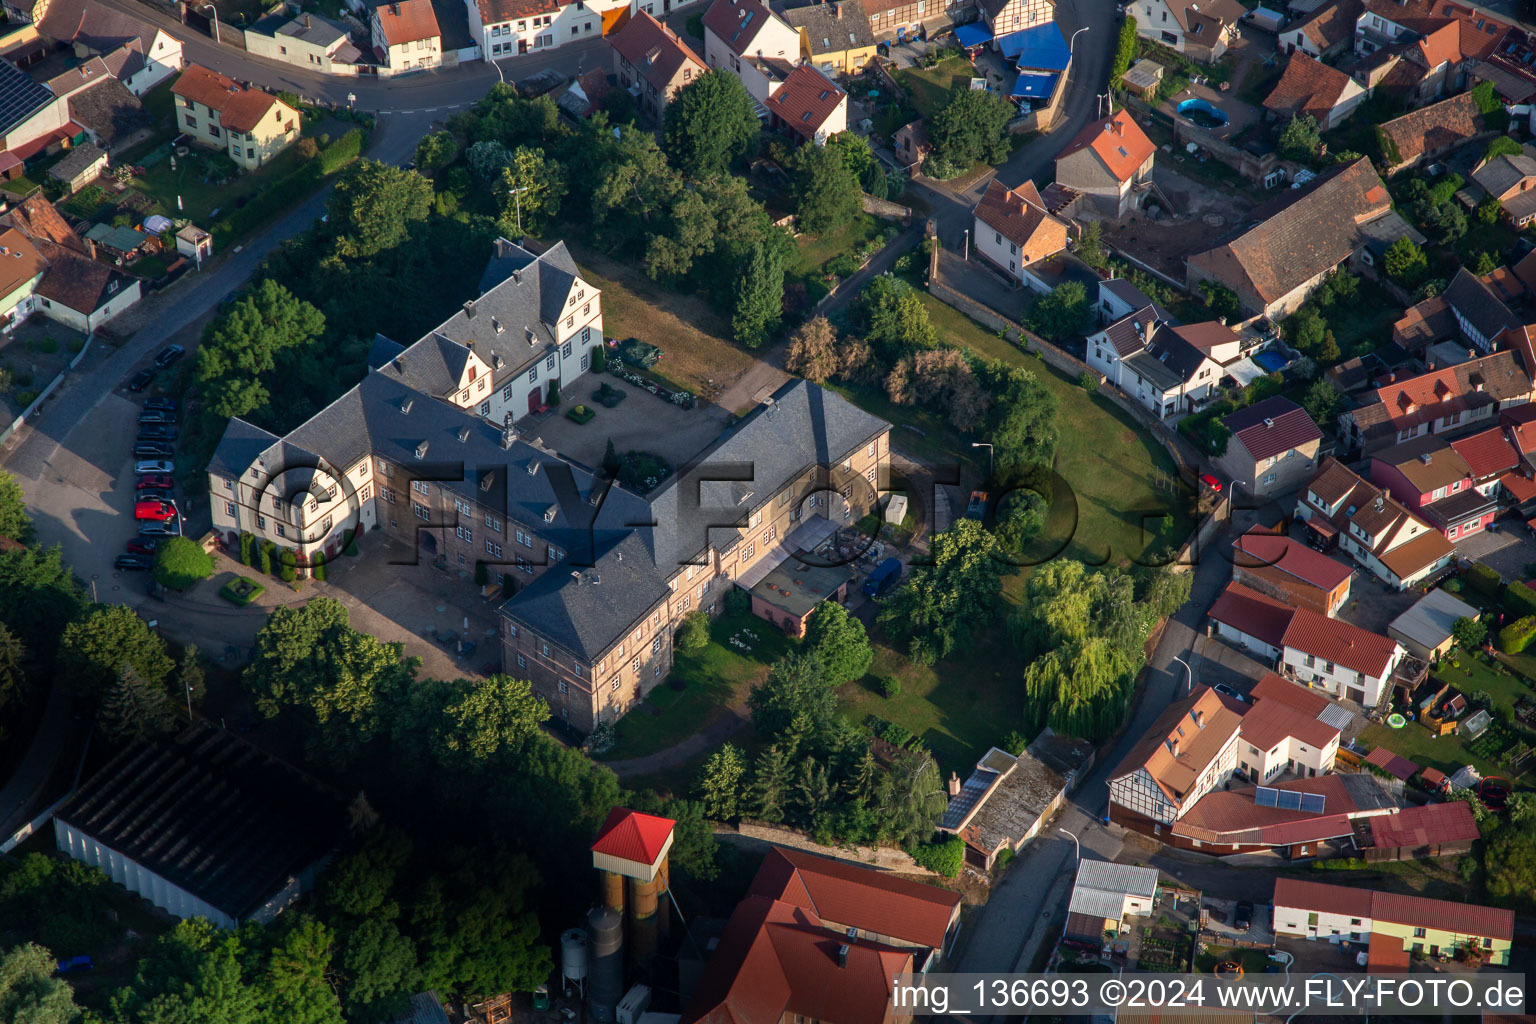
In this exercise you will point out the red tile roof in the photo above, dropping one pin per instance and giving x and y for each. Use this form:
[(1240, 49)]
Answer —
[(1487, 453), (1291, 557), (1183, 741), (1019, 215), (1428, 825), (1228, 811), (1253, 613), (805, 100), (1393, 764), (240, 109), (630, 835), (1272, 426), (1441, 45), (1465, 918), (654, 50), (406, 21), (1283, 709), (1336, 899), (1118, 141), (1340, 642), (850, 895), (1387, 955), (1432, 128), (1308, 86)]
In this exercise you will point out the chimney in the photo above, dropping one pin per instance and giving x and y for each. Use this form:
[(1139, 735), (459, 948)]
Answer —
[(469, 309), (837, 9), (954, 785), (394, 9), (1269, 423), (307, 23), (1147, 331), (842, 955)]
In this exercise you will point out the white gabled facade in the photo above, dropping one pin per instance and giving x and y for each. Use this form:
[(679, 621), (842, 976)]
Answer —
[(1337, 680)]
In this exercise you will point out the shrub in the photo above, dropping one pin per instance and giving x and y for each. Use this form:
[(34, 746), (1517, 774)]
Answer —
[(1517, 636), (181, 562), (600, 358), (351, 549), (241, 590), (307, 148), (738, 601), (1452, 585), (247, 544), (1088, 381), (318, 571), (1483, 579), (944, 857), (264, 561), (1520, 599), (341, 152), (693, 634), (554, 392), (890, 687), (26, 398), (286, 572), (48, 345)]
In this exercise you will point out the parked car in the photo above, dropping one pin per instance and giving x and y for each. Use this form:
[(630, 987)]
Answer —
[(144, 545), (168, 528), (157, 416), (133, 563), (1210, 481), (169, 355), (75, 963), (1227, 691), (882, 577), (152, 449), (141, 380), (155, 494), (156, 480), (1242, 920), (154, 466), (156, 432), (168, 404), (161, 510)]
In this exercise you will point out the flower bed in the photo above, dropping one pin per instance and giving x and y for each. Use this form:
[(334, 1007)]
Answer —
[(618, 369), (241, 590), (580, 413)]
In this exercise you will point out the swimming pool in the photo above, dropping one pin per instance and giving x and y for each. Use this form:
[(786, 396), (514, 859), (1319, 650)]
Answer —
[(1270, 360), (1202, 113)]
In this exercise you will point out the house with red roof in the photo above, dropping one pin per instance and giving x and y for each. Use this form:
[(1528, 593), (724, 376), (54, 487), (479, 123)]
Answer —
[(1490, 455), (1338, 913), (1328, 29), (1110, 160), (808, 106), (747, 39), (821, 939), (1345, 661), (1290, 572), (1431, 478), (1302, 817), (1423, 49), (1014, 231), (1418, 833), (1429, 132), (1190, 750), (1289, 729), (405, 35), (1167, 367), (1273, 448), (1372, 527), (1251, 620), (652, 62), (1308, 86), (1451, 400), (251, 125)]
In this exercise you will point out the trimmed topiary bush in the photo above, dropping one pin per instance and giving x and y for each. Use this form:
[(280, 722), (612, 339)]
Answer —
[(1517, 636), (890, 687), (241, 590), (181, 562), (1520, 599), (264, 557), (1484, 579), (287, 566)]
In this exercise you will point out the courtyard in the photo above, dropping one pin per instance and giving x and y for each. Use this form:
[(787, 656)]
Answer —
[(640, 421)]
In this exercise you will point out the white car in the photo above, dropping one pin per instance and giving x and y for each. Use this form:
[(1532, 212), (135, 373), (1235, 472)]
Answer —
[(154, 466)]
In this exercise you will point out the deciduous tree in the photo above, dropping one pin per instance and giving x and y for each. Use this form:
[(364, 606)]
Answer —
[(373, 206), (813, 351), (1062, 314), (839, 642), (14, 521), (110, 638), (940, 606), (30, 991), (971, 127), (709, 123), (181, 562), (533, 187)]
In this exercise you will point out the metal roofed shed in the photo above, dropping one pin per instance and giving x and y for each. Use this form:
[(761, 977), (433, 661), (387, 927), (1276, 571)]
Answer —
[(1110, 891), (973, 34), (80, 166), (203, 824), (1144, 77), (1425, 629)]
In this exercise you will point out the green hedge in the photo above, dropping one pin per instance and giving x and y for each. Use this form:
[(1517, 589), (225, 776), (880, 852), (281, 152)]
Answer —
[(944, 857), (241, 590), (266, 206), (341, 152), (1520, 599), (1517, 636), (1484, 580)]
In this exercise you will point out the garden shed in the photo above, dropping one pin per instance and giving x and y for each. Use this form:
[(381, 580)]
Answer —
[(80, 166)]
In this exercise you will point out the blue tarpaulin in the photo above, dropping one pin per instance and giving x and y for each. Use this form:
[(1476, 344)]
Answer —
[(1035, 86), (1042, 48), (973, 34)]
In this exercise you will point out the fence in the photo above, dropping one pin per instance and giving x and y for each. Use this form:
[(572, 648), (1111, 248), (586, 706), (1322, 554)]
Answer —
[(26, 414)]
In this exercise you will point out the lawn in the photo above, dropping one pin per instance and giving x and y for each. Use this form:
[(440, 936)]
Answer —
[(1448, 753), (1253, 960), (19, 186), (199, 197), (959, 708), (929, 88), (813, 252), (714, 680), (1117, 471)]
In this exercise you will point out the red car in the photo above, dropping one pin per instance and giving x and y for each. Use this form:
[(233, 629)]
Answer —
[(155, 480), (158, 510), (1211, 482)]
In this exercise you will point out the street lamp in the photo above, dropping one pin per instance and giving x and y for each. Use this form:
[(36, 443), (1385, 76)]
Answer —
[(1075, 843), (517, 195), (215, 10), (988, 447), (1071, 42), (1189, 677)]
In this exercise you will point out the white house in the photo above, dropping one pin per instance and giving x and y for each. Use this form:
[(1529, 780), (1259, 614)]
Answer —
[(1338, 657), (1251, 620), (1105, 891), (1014, 231), (1168, 369), (753, 43), (1290, 728), (406, 36), (1201, 30), (505, 28), (138, 54)]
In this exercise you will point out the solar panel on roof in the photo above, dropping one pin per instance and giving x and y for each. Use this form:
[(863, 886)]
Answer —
[(1313, 803), (20, 96), (1264, 796), (1288, 800)]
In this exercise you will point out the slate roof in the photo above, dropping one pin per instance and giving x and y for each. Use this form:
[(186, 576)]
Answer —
[(1016, 213), (805, 100), (406, 21), (1271, 427), (20, 96), (1434, 128), (1472, 297), (99, 27), (209, 813), (313, 29), (833, 27), (1307, 86), (1118, 142), (1129, 334), (1126, 292), (655, 51), (1314, 231)]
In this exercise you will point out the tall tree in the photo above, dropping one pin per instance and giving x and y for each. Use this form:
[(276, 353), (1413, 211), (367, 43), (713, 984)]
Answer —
[(813, 351), (133, 708), (14, 521), (759, 295), (770, 783), (311, 664), (109, 639), (30, 991), (13, 679), (380, 968), (1063, 313), (242, 346), (972, 127), (895, 318), (373, 206), (720, 782), (294, 988), (709, 123), (943, 603), (839, 642), (1022, 421), (794, 697), (463, 722), (39, 595), (827, 189)]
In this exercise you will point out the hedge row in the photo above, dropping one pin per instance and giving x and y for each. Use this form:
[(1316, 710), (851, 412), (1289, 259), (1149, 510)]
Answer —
[(278, 197), (945, 857), (1520, 599), (1517, 636), (1484, 580)]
